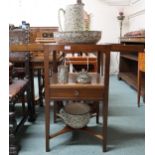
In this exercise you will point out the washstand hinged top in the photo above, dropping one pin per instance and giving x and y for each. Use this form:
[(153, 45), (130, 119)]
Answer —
[(96, 90)]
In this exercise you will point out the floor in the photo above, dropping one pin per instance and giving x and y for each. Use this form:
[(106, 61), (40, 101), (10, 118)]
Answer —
[(126, 129)]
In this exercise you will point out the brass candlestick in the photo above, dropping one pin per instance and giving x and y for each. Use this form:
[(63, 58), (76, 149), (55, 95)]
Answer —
[(121, 18)]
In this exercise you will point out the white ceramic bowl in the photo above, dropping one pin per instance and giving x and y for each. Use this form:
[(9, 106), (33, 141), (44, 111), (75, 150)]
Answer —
[(75, 115), (79, 37)]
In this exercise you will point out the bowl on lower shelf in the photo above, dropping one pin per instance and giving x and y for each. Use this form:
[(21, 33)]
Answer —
[(79, 37), (75, 115)]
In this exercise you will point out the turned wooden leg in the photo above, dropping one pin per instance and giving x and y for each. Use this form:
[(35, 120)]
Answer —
[(13, 146)]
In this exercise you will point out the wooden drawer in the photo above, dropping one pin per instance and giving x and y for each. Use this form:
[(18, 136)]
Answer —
[(77, 93)]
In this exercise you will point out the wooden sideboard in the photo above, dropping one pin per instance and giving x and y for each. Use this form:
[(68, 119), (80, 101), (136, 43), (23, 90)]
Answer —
[(128, 66)]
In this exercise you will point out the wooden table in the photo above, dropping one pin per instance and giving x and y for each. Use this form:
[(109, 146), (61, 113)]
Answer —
[(97, 90), (101, 87)]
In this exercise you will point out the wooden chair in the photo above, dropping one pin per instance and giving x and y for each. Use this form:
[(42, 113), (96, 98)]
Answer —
[(16, 91), (21, 71), (19, 92), (141, 71)]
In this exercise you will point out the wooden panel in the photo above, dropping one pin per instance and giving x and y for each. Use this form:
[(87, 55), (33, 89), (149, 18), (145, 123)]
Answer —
[(141, 62), (26, 47), (42, 34), (73, 90), (130, 78), (77, 94), (131, 40), (130, 56)]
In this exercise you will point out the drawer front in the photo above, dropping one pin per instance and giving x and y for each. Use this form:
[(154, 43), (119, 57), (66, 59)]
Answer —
[(77, 94)]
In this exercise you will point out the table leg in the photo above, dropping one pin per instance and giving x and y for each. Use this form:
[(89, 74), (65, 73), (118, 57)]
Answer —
[(105, 113), (47, 126), (106, 98), (47, 99)]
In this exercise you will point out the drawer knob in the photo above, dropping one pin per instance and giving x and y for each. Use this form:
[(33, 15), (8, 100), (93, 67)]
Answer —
[(76, 93)]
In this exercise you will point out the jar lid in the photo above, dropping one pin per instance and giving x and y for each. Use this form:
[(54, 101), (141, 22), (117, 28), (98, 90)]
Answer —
[(77, 108), (83, 77)]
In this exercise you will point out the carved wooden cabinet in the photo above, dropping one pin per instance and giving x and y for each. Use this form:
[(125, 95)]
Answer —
[(128, 65)]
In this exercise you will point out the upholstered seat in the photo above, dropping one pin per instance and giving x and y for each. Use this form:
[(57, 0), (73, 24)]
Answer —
[(16, 87)]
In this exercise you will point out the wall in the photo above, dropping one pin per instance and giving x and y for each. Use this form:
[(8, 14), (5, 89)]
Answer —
[(136, 15), (45, 13)]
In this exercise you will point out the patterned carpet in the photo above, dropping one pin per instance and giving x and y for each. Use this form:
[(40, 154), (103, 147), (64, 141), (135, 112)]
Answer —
[(126, 129)]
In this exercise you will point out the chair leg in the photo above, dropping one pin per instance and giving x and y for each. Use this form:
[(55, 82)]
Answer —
[(30, 103), (30, 97), (23, 103), (13, 145), (40, 88), (105, 117)]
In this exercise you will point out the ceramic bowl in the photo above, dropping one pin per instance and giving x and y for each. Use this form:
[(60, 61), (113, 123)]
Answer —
[(79, 37), (75, 115)]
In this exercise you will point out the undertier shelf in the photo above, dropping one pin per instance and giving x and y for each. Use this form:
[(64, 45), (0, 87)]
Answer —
[(131, 79), (130, 56)]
